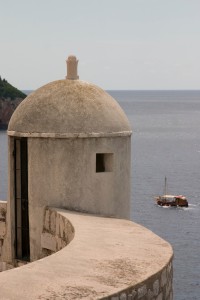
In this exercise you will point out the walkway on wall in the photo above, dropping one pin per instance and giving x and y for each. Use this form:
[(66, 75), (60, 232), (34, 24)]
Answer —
[(106, 257)]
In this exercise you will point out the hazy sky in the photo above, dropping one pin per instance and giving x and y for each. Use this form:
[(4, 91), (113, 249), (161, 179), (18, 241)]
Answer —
[(120, 44)]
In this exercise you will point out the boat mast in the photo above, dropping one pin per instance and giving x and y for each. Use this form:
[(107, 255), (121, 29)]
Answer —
[(165, 189)]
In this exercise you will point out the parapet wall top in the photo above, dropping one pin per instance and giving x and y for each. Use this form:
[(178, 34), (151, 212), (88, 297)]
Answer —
[(72, 64)]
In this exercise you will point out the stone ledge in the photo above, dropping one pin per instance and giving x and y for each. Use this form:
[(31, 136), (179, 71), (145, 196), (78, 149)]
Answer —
[(107, 259), (68, 135)]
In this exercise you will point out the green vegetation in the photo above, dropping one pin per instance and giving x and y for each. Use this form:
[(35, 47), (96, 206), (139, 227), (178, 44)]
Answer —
[(9, 91)]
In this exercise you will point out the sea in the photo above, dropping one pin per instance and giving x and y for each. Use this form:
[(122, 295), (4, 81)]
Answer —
[(165, 142)]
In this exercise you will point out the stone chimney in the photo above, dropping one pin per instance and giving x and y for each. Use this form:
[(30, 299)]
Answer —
[(72, 64)]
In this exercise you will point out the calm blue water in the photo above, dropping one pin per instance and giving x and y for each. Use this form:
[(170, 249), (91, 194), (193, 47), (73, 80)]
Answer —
[(165, 142)]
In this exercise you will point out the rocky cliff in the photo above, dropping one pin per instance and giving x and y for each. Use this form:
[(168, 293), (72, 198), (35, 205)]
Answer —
[(10, 97)]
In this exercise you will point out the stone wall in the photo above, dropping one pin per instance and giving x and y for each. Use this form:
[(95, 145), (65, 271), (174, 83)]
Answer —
[(108, 258), (57, 232), (3, 210), (157, 287)]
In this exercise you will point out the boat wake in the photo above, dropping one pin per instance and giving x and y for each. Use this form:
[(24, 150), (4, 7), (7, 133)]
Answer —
[(164, 206), (177, 207)]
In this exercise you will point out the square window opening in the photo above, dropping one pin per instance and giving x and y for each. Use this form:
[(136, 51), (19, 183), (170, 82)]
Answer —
[(104, 162)]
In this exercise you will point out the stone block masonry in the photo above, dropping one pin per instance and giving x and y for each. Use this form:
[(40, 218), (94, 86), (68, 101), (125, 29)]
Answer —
[(57, 232), (3, 210), (157, 287)]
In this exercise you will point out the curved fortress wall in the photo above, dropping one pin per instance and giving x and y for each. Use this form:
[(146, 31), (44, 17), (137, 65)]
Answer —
[(97, 258), (69, 148)]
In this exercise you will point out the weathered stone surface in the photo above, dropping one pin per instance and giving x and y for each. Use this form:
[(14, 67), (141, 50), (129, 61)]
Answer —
[(53, 222), (156, 287), (57, 226), (68, 231), (47, 220), (168, 288), (63, 244), (58, 243), (171, 296), (150, 295), (134, 294), (2, 229), (3, 266), (163, 278), (123, 297), (77, 105), (61, 226), (9, 266), (160, 297), (48, 241), (3, 209), (142, 291), (1, 244), (169, 269)]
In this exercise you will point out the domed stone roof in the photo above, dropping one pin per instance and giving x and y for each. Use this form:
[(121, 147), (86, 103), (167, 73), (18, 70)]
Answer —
[(69, 108)]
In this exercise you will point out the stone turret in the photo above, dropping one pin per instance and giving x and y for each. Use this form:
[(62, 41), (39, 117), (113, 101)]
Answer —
[(71, 145)]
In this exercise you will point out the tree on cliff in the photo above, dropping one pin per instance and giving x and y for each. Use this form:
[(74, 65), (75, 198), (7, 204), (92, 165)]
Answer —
[(10, 97), (9, 91)]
